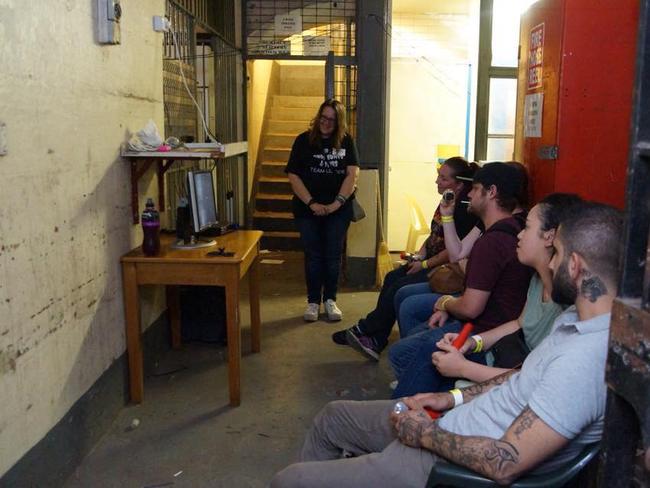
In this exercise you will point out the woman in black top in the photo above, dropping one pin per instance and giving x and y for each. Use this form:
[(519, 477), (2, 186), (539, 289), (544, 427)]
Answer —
[(323, 169)]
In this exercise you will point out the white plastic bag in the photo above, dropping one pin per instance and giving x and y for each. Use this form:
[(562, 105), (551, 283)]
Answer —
[(149, 134), (146, 139)]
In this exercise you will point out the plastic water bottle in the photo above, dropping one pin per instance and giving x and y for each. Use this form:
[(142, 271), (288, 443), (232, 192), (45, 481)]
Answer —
[(150, 229), (400, 407)]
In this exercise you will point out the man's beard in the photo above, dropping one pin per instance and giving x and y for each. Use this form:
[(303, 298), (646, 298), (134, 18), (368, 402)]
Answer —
[(565, 291), (474, 209)]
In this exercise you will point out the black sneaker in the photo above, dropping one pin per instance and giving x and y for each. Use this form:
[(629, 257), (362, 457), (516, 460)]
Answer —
[(364, 344), (339, 337)]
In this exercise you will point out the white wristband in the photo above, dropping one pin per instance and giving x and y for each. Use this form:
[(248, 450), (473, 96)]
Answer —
[(458, 396)]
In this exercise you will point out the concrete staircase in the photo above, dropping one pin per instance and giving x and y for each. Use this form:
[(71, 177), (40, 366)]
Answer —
[(301, 93)]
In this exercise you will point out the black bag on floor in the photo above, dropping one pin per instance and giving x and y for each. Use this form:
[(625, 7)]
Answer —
[(203, 314)]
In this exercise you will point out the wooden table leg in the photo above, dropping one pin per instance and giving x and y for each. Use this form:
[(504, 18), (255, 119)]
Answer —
[(234, 338), (174, 311), (254, 298), (133, 334)]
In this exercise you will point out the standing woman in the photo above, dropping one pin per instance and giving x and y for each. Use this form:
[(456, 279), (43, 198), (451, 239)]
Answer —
[(323, 169)]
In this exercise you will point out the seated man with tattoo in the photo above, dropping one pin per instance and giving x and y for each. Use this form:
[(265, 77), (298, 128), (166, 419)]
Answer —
[(535, 419)]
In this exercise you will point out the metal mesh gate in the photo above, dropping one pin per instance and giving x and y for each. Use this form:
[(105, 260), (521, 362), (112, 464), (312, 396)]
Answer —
[(211, 64), (300, 28), (180, 113), (345, 90)]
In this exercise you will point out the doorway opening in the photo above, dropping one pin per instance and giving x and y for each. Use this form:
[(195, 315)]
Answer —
[(433, 72)]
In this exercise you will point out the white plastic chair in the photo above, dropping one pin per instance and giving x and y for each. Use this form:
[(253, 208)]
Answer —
[(418, 226)]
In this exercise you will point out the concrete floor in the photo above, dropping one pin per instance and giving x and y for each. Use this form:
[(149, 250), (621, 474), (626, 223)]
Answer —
[(188, 436)]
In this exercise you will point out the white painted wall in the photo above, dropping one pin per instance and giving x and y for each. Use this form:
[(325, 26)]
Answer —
[(362, 235), (65, 219), (432, 45), (421, 119)]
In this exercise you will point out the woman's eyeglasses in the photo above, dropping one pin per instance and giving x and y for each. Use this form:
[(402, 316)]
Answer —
[(331, 120)]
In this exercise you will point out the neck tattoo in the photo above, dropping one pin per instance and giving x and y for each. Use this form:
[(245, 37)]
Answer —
[(592, 287)]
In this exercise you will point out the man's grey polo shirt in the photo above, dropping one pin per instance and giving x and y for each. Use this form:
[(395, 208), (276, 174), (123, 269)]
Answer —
[(563, 382)]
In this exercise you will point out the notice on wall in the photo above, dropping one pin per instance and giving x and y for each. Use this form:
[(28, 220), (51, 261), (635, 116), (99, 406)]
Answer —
[(535, 56), (270, 48), (288, 24), (315, 45), (533, 110)]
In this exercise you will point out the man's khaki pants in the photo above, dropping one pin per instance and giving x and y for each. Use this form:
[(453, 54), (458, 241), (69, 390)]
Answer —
[(362, 429)]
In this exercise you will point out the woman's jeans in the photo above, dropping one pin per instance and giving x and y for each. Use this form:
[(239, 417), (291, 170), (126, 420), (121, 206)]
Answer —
[(411, 360), (322, 241)]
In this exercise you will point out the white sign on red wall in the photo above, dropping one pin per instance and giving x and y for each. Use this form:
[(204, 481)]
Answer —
[(535, 56)]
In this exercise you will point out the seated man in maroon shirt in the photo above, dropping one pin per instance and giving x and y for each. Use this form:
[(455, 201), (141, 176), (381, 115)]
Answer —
[(495, 285)]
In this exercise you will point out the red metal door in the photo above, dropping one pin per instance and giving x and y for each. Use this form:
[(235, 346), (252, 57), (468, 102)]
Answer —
[(578, 55), (540, 58), (597, 76)]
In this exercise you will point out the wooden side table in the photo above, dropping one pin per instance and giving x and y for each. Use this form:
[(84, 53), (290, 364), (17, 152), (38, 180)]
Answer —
[(174, 267)]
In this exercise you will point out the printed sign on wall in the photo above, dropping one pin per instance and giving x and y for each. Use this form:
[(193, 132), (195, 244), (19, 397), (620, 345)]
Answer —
[(315, 45), (533, 109), (535, 56), (270, 48), (288, 24)]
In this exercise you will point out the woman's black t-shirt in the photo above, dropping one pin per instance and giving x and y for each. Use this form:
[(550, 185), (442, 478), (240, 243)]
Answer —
[(322, 169)]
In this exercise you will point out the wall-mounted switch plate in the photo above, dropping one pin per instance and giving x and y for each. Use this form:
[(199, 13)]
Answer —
[(161, 24), (109, 13)]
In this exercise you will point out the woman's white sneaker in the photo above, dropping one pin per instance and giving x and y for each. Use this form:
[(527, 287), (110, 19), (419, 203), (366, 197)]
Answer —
[(334, 314), (311, 312)]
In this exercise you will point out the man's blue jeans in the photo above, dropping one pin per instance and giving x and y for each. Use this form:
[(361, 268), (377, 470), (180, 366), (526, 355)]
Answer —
[(322, 241), (414, 305)]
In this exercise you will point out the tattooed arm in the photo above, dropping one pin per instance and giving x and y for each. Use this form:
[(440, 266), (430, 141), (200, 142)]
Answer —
[(445, 401), (526, 443), (478, 389)]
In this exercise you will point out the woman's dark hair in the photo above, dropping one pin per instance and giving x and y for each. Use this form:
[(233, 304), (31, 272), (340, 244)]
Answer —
[(555, 208), (340, 126), (523, 196), (462, 168)]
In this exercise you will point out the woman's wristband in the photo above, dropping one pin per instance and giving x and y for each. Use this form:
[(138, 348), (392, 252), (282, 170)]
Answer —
[(447, 219), (479, 343), (311, 200), (425, 264), (341, 199), (458, 396)]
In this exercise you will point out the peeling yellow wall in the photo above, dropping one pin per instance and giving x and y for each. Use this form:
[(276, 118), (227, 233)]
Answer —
[(65, 218)]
